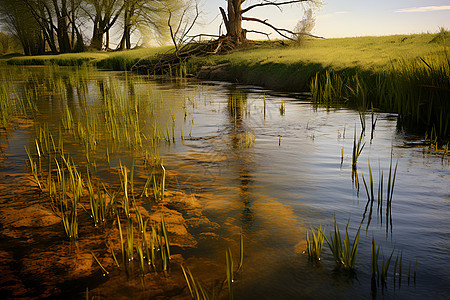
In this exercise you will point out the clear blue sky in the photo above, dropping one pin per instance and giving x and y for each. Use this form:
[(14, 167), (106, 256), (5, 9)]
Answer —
[(345, 18)]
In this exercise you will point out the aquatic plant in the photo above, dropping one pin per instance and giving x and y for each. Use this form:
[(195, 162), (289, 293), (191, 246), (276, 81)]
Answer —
[(385, 267), (282, 108), (165, 247), (357, 149), (33, 167), (70, 222), (105, 272), (369, 188), (125, 204), (413, 88), (343, 253), (159, 187), (374, 251), (246, 140), (195, 288), (230, 273), (314, 245)]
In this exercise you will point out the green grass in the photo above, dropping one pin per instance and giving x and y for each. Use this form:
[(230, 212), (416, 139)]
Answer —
[(121, 60)]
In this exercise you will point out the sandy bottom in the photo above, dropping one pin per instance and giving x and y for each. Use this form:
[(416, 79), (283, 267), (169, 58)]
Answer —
[(37, 260)]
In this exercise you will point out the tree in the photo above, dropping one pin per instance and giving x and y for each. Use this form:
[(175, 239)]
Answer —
[(57, 18), (103, 14), (144, 16), (304, 27), (235, 15), (17, 20)]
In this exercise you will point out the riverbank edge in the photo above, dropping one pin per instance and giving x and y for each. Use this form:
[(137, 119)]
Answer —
[(404, 89)]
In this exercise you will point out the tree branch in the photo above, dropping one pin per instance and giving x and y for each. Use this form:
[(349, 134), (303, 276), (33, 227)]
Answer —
[(311, 35), (225, 19), (278, 30), (171, 31), (259, 32), (271, 3)]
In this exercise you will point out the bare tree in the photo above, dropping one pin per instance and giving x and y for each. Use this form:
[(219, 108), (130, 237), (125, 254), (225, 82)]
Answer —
[(234, 16), (181, 21)]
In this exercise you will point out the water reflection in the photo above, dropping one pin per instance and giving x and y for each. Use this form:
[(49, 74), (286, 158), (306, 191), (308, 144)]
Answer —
[(268, 190), (237, 108)]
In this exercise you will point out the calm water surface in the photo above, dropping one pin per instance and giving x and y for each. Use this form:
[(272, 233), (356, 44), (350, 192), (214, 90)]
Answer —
[(271, 172)]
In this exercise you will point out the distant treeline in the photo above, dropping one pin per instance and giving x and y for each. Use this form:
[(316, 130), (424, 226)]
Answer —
[(62, 26)]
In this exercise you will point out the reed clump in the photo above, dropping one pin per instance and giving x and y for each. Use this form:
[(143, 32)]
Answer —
[(344, 253), (417, 89), (381, 195), (198, 291), (314, 245)]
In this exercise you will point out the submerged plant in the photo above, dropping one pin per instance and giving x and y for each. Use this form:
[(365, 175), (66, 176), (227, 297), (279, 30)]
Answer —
[(195, 288), (105, 272), (230, 273)]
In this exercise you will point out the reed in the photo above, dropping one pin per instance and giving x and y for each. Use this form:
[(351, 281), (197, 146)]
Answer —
[(129, 246), (357, 149), (374, 252), (230, 273), (335, 243), (246, 140), (282, 108), (125, 204), (159, 187), (385, 267), (140, 255), (34, 169), (413, 88), (343, 253), (70, 223), (165, 247), (370, 192), (195, 288), (241, 252), (122, 248), (105, 272), (314, 245)]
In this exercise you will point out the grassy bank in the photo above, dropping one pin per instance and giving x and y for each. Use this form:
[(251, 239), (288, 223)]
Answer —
[(122, 60), (405, 74)]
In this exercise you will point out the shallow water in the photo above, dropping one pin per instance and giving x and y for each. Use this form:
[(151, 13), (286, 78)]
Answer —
[(271, 173)]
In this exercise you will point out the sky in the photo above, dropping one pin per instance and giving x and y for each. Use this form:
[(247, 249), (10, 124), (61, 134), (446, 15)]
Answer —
[(343, 18)]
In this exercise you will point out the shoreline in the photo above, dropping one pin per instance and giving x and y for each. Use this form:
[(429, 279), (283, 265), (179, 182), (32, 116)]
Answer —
[(403, 74)]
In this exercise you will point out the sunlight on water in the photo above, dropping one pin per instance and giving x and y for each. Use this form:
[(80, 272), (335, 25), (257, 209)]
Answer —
[(270, 166)]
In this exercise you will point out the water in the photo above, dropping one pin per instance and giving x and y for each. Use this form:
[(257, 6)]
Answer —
[(272, 173)]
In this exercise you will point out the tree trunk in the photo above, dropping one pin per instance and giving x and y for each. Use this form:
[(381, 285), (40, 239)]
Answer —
[(62, 31), (107, 40), (97, 37), (233, 21)]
